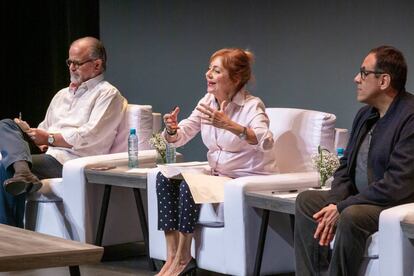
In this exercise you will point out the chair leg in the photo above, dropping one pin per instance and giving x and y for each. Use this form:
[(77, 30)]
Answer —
[(30, 216), (74, 270)]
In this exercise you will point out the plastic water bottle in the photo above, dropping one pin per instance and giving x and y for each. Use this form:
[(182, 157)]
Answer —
[(132, 149), (170, 153), (340, 152)]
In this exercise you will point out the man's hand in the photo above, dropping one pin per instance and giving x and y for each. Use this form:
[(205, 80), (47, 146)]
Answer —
[(24, 126), (327, 218), (43, 148), (38, 136)]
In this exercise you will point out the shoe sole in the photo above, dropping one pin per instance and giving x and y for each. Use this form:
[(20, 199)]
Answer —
[(16, 188)]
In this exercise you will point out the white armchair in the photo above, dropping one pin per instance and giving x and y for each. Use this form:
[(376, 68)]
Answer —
[(388, 251), (226, 239), (66, 207)]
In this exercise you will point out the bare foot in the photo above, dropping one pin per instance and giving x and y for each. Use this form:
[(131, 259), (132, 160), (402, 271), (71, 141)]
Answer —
[(165, 268), (177, 267)]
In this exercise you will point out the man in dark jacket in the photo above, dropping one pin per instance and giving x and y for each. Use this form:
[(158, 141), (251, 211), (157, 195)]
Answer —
[(376, 172)]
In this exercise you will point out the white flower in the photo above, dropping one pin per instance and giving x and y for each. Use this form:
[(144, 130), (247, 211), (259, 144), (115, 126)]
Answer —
[(158, 142), (325, 163)]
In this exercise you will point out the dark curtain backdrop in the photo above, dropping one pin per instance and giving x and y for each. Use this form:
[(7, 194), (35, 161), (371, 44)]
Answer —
[(36, 36)]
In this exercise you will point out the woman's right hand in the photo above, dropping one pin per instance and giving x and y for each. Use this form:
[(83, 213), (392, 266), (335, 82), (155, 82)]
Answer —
[(171, 120)]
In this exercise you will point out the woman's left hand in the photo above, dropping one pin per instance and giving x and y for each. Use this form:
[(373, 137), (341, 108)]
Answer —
[(213, 116)]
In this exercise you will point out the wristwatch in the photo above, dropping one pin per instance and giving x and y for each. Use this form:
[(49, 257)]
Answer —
[(172, 133), (51, 139), (243, 135)]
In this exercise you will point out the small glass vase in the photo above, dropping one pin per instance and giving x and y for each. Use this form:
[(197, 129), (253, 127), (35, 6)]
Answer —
[(322, 181)]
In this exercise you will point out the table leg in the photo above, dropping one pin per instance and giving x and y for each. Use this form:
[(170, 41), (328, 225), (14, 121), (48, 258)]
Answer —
[(144, 226), (74, 270), (102, 218), (261, 243), (292, 222)]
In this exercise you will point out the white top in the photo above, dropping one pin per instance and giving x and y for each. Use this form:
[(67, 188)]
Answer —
[(228, 154), (87, 118)]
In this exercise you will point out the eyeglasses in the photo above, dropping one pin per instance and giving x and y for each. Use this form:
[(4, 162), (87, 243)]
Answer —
[(77, 64), (364, 73)]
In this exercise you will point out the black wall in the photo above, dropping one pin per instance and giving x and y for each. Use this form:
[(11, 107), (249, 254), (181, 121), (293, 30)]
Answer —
[(35, 39)]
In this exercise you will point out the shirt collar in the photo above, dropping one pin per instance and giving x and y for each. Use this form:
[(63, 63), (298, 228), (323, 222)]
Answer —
[(240, 97), (87, 85)]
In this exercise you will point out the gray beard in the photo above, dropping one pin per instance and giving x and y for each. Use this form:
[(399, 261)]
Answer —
[(75, 79)]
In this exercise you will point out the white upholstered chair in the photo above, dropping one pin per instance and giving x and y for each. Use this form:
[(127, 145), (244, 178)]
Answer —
[(66, 207), (388, 251), (227, 235)]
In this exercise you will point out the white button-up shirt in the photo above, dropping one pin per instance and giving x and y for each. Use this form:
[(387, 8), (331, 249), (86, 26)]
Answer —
[(87, 118), (228, 154)]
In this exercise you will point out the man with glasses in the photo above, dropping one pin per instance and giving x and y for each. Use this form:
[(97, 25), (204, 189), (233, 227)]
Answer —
[(81, 120), (375, 173)]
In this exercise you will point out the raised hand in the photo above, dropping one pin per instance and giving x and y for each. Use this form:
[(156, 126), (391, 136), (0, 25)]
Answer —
[(171, 120), (213, 116)]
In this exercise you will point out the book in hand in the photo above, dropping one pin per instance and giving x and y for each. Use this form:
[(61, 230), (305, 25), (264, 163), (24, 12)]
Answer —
[(175, 170)]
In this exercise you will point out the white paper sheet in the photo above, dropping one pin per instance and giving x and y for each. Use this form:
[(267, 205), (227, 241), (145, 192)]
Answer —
[(174, 170), (139, 170), (285, 195), (206, 188)]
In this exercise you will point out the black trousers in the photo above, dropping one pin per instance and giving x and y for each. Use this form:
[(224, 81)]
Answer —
[(15, 145), (356, 223)]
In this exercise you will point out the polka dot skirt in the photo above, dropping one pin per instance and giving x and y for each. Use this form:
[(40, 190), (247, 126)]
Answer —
[(176, 207)]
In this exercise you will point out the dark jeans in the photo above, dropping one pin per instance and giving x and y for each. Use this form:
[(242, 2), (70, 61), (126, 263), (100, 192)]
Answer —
[(15, 145), (356, 223)]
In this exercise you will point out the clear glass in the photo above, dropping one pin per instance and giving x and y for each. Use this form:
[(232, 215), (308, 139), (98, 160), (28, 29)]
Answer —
[(170, 153)]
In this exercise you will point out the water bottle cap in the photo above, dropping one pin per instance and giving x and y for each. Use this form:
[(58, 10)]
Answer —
[(340, 151), (132, 131)]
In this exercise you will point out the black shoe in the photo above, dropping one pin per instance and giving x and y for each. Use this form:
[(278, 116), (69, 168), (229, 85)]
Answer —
[(21, 183), (190, 268)]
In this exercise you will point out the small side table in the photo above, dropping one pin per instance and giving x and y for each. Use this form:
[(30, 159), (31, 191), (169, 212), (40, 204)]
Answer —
[(283, 202), (118, 176)]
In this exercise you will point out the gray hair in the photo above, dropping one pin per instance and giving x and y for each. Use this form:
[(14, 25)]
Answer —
[(96, 48)]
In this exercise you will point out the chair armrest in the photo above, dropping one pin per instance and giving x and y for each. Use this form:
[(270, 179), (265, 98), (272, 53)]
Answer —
[(156, 122), (285, 181), (395, 250), (241, 221), (341, 138), (235, 189), (74, 188)]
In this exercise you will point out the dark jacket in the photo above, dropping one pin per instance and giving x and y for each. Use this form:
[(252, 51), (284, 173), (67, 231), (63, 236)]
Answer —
[(390, 157)]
